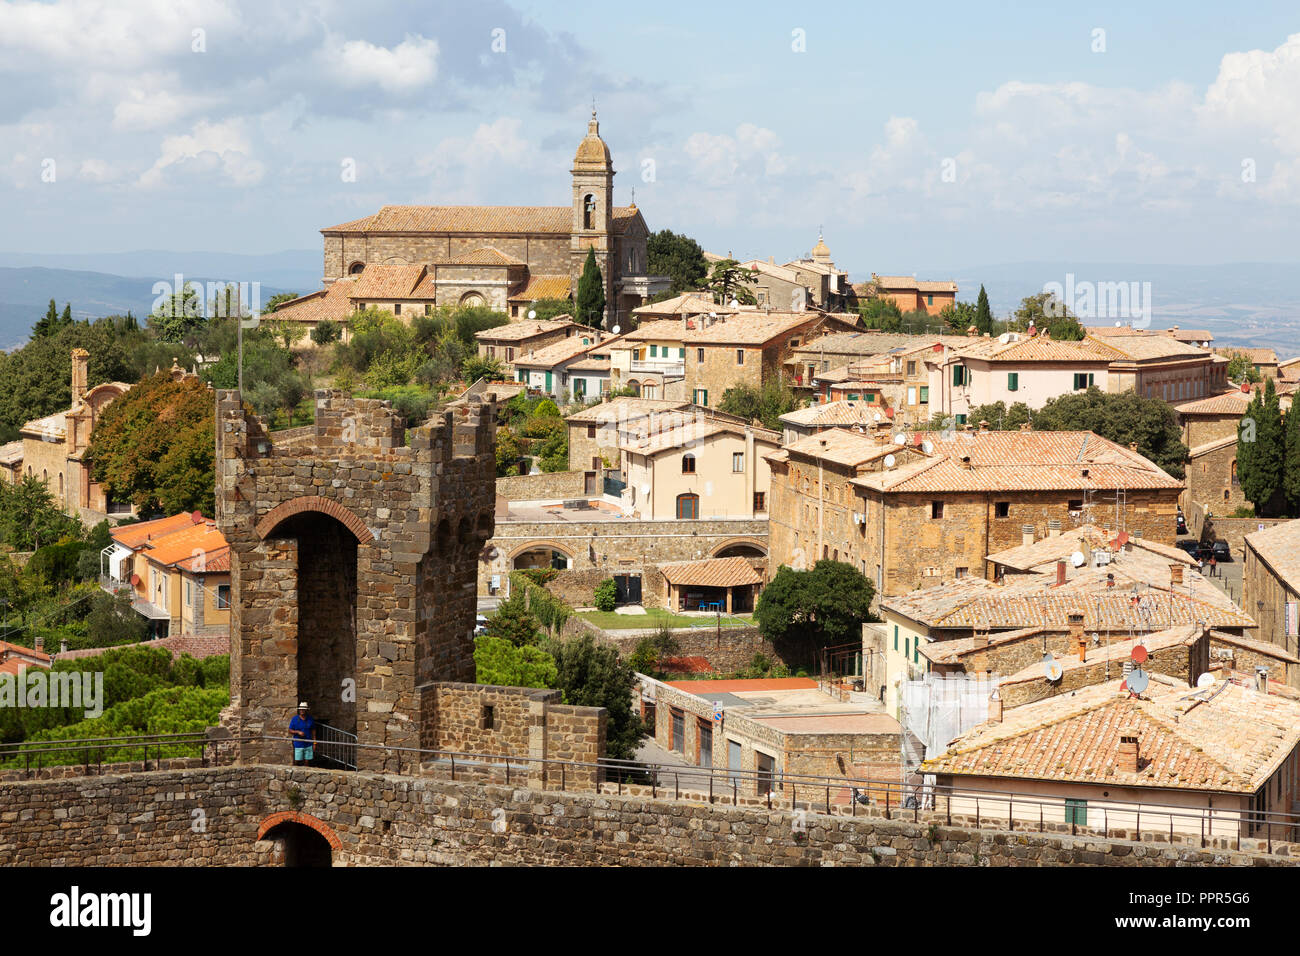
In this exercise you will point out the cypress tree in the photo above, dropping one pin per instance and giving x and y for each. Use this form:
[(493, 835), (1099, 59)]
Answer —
[(1291, 463), (1247, 430), (590, 301), (1261, 481), (47, 323), (983, 315), (65, 319)]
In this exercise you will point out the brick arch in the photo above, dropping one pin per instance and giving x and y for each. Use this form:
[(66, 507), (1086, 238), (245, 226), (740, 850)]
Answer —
[(541, 543), (306, 819), (293, 506), (733, 542)]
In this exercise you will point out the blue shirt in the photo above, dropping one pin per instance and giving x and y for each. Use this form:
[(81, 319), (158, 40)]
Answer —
[(307, 725)]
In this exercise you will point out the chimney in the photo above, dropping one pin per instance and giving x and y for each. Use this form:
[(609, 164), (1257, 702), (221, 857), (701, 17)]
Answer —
[(984, 427), (1026, 534), (80, 362), (1126, 758), (63, 646), (1026, 427), (995, 707), (1175, 575), (1053, 527), (40, 643), (1261, 678), (1060, 573), (1076, 633), (965, 462), (1132, 446)]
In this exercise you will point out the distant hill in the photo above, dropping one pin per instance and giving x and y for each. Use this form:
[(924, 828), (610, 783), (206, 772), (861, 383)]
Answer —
[(25, 292)]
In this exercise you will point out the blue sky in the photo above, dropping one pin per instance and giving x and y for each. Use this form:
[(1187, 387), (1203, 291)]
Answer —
[(922, 138)]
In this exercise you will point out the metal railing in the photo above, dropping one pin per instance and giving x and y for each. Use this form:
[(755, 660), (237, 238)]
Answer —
[(336, 746), (1230, 828), (87, 752)]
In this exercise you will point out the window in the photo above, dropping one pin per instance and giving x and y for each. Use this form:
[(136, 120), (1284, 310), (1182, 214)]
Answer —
[(907, 647), (678, 729), (589, 212), (489, 716), (1076, 811), (510, 355), (654, 351), (700, 396), (925, 395), (591, 431), (960, 572), (428, 309), (929, 299), (1074, 504), (397, 308), (936, 509), (699, 355), (911, 369), (1001, 509), (704, 742), (688, 464), (760, 501), (1013, 381), (688, 506), (959, 374), (189, 596), (911, 394), (681, 353), (895, 637), (1082, 380), (223, 597), (961, 418), (738, 461), (740, 356)]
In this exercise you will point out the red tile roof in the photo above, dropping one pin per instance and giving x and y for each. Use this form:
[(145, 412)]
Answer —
[(712, 573), (482, 220)]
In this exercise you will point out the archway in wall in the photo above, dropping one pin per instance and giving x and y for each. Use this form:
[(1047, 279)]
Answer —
[(326, 614), (473, 300), (542, 556), (741, 550), (300, 845)]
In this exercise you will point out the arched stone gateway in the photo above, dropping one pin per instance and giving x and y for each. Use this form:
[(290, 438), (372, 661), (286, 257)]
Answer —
[(741, 548), (303, 840), (353, 562)]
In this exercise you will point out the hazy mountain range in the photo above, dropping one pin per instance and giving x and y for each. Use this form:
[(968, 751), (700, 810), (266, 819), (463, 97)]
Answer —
[(1245, 303)]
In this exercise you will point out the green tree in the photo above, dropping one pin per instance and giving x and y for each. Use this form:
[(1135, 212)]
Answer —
[(1291, 463), (766, 404), (730, 281), (592, 675), (178, 316), (550, 308), (30, 518), (678, 257), (277, 300), (1262, 439), (960, 316), (1242, 369), (589, 303), (1123, 419), (502, 663), (479, 366), (52, 322), (652, 650), (1047, 314), (326, 332), (809, 610), (983, 314), (508, 452), (513, 622), (881, 313), (154, 446), (999, 417)]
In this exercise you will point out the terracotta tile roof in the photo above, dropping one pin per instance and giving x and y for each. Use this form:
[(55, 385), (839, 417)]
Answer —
[(1046, 551), (544, 287), (528, 328), (1210, 446), (387, 282), (1233, 401), (625, 408), (330, 303), (770, 269), (1021, 461), (841, 446), (9, 650), (829, 414), (1279, 546), (134, 536), (670, 330), (182, 545), (216, 561), (750, 328), (1118, 650), (865, 343), (1143, 347), (52, 428), (953, 651), (688, 303), (713, 573), (1259, 647), (693, 432), (1259, 356), (1222, 738), (756, 684), (561, 352), (11, 453), (1038, 348), (485, 256), (485, 220), (907, 283)]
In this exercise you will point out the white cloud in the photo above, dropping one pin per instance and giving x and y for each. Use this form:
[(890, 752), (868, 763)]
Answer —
[(407, 67), (220, 148)]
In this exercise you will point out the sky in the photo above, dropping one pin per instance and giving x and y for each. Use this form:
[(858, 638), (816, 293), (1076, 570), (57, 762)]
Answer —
[(917, 138)]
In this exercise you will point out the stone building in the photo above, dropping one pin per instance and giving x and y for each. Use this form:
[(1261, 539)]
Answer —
[(943, 503), (503, 257), (1270, 584), (750, 348), (909, 293), (1159, 366), (505, 343), (352, 560)]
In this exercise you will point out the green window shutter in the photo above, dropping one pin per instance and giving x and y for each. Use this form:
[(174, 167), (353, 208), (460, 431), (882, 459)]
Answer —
[(654, 351), (925, 394), (681, 353), (1013, 381), (956, 374), (895, 637)]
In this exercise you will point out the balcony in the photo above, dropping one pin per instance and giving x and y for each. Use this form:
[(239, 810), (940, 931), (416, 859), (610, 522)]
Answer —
[(670, 368)]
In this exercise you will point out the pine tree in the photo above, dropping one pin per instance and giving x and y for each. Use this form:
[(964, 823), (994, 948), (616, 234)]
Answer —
[(983, 315), (48, 323), (65, 319), (590, 300)]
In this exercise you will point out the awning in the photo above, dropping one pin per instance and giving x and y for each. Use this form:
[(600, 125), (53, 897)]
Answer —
[(713, 573)]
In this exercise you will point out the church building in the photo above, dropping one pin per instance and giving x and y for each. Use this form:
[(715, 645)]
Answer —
[(411, 259)]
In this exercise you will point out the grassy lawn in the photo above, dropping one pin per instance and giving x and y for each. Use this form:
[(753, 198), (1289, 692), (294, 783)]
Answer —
[(653, 617)]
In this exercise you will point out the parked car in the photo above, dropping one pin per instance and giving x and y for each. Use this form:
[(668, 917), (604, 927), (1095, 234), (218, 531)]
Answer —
[(1221, 551), (480, 626), (1182, 524), (1189, 545)]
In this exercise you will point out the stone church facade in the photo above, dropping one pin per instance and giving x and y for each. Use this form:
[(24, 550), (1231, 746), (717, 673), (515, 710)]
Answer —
[(503, 257)]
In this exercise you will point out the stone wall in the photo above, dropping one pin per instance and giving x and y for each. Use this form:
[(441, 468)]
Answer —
[(548, 486), (1261, 582), (1183, 662), (1210, 482), (1219, 527), (729, 650), (238, 815)]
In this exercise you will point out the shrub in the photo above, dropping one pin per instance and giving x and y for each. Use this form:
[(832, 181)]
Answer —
[(606, 596)]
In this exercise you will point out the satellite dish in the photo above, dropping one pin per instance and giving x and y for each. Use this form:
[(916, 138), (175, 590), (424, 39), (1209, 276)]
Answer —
[(1077, 559), (532, 313), (927, 447), (1139, 655), (900, 439), (1004, 338), (1205, 680), (614, 330), (1119, 325), (1138, 680), (645, 490), (889, 461), (877, 417), (1053, 671)]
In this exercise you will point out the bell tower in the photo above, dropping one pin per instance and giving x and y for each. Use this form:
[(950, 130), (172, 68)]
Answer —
[(593, 211)]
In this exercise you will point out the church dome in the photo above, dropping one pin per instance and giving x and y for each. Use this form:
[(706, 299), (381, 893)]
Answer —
[(820, 250), (592, 149)]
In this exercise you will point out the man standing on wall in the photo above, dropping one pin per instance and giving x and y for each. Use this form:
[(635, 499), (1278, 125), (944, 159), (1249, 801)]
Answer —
[(302, 727)]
